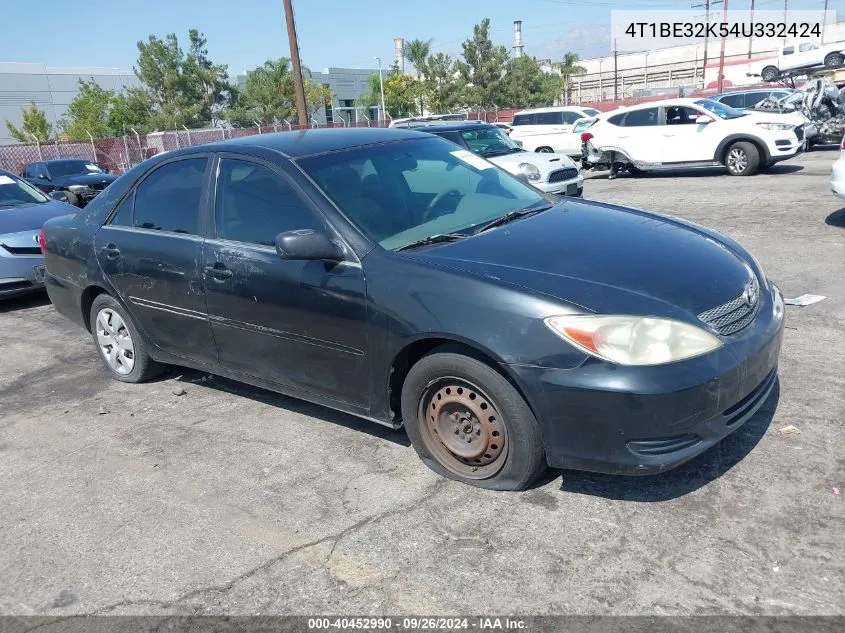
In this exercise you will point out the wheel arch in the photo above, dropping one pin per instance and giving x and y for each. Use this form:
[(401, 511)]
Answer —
[(722, 149), (87, 300), (414, 350)]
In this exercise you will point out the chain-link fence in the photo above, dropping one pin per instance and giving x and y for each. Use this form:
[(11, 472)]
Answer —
[(118, 154)]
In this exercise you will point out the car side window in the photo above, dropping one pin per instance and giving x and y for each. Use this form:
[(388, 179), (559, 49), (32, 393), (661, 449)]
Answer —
[(549, 118), (640, 118), (254, 204), (807, 46), (788, 50), (680, 115), (523, 119), (616, 119), (570, 117), (169, 198), (734, 101), (122, 215)]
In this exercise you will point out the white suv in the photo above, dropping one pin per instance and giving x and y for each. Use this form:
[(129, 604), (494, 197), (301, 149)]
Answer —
[(550, 129), (690, 133)]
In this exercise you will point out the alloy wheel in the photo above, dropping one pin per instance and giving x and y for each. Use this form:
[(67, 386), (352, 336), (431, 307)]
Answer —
[(115, 341), (463, 429), (737, 160)]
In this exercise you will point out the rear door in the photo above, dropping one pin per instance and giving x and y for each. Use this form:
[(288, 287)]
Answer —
[(299, 323), (638, 135), (150, 251)]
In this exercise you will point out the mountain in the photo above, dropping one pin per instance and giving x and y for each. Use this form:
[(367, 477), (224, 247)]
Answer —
[(586, 40)]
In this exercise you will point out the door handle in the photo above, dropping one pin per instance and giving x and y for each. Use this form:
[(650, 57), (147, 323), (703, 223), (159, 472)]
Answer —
[(218, 272), (110, 251)]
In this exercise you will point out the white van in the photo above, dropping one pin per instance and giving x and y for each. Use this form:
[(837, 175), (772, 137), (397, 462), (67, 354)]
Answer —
[(550, 129)]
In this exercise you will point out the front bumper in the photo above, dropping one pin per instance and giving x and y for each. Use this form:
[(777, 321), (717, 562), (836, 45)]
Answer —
[(837, 177), (642, 420), (573, 187)]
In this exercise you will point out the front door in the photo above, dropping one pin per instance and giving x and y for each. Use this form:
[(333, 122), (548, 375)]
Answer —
[(686, 141), (150, 252), (299, 323)]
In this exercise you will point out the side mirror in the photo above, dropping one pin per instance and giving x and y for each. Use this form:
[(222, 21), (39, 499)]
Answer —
[(703, 119), (307, 244), (58, 195)]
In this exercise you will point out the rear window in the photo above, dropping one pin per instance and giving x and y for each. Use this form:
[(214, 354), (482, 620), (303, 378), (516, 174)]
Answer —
[(583, 125), (523, 119), (592, 111)]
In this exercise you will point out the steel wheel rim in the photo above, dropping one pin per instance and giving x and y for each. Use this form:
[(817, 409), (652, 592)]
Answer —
[(737, 160), (463, 428), (115, 341)]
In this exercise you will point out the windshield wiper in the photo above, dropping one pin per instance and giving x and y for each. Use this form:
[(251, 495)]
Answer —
[(432, 239), (511, 216)]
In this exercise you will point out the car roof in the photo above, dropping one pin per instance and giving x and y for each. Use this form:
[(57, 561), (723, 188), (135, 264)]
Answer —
[(742, 92), (452, 126), (62, 159), (556, 109), (301, 143)]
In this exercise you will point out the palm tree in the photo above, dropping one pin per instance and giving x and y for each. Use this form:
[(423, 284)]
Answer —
[(570, 67), (417, 52)]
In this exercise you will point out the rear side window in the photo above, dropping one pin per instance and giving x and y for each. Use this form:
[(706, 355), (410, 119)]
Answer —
[(617, 119), (734, 101), (169, 198), (122, 216), (523, 119), (788, 50), (254, 204), (549, 118), (640, 118)]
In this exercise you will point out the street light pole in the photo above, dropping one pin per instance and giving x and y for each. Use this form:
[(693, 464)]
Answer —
[(381, 85), (295, 65)]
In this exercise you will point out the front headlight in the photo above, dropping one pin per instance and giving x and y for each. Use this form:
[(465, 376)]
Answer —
[(634, 340), (776, 126), (529, 171)]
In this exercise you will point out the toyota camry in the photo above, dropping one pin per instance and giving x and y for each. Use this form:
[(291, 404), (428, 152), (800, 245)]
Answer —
[(393, 275)]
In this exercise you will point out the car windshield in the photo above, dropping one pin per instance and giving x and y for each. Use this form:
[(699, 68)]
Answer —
[(490, 141), (720, 109), (16, 192), (402, 192), (60, 168)]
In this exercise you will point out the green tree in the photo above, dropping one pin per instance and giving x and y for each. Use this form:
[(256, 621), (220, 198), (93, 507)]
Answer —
[(401, 94), (525, 85), (316, 96), (88, 112), (569, 67), (131, 108), (482, 68), (417, 52), (34, 123), (443, 91), (184, 89)]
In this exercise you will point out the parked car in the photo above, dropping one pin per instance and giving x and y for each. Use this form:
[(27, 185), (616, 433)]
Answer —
[(754, 99), (429, 118), (504, 126), (81, 180), (550, 173), (23, 209), (837, 175), (690, 133), (550, 129), (504, 331), (798, 55)]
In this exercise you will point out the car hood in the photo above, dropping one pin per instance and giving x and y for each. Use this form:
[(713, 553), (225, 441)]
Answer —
[(544, 162), (795, 118), (84, 179), (604, 258), (32, 216)]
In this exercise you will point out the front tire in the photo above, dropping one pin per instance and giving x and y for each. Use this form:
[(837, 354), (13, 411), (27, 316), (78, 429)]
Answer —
[(834, 59), (120, 346), (544, 150), (742, 159), (770, 73), (468, 423)]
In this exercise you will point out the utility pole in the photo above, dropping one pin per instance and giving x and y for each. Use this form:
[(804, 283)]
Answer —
[(751, 39), (615, 73), (296, 67), (381, 86), (824, 21), (721, 79), (707, 5)]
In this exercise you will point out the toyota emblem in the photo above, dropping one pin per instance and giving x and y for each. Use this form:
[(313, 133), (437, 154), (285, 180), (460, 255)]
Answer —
[(750, 294)]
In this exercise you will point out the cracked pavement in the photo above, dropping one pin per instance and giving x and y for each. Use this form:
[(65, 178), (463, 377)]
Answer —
[(233, 500)]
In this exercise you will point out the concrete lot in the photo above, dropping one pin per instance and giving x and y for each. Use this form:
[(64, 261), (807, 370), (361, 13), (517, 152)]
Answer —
[(128, 499)]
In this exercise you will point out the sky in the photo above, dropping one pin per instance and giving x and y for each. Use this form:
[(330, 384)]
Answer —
[(341, 33)]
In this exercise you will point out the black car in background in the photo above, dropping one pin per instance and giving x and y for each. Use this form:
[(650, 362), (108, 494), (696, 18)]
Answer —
[(79, 180), (389, 274)]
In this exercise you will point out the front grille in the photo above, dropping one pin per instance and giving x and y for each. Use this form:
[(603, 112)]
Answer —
[(729, 318), (563, 174), (23, 250), (664, 445)]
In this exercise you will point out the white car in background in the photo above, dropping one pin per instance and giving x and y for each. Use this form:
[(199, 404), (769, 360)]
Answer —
[(837, 176), (796, 55), (685, 133), (550, 129)]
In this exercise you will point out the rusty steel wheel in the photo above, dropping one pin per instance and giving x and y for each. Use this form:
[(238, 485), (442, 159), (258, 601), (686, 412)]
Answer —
[(463, 429)]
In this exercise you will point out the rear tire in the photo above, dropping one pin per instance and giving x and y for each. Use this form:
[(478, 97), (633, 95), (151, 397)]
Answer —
[(770, 73), (468, 423), (118, 343), (544, 150), (834, 59), (742, 159)]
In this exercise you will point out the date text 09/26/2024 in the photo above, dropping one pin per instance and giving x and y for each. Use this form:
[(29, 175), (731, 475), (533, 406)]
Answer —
[(723, 29), (418, 623)]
